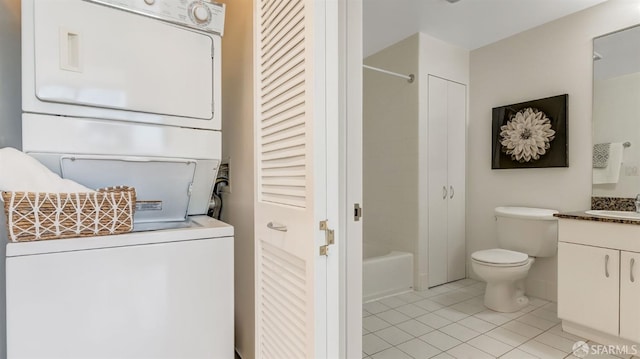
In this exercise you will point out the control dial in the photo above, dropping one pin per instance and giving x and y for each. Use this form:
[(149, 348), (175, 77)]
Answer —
[(199, 13)]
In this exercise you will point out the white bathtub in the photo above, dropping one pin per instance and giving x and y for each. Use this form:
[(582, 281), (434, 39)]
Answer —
[(386, 275)]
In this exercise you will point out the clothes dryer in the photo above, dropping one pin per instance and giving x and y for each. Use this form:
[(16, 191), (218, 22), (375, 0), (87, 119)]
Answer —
[(150, 61)]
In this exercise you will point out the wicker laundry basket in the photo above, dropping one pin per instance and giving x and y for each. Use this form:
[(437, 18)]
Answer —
[(33, 216)]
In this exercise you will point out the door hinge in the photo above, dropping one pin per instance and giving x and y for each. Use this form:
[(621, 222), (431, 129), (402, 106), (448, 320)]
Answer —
[(357, 212), (329, 237)]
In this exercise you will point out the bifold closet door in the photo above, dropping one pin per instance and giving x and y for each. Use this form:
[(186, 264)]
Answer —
[(438, 187), (446, 180), (456, 168), (294, 118)]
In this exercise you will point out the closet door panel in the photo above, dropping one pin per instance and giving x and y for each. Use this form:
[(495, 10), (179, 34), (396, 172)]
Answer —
[(456, 168), (438, 188)]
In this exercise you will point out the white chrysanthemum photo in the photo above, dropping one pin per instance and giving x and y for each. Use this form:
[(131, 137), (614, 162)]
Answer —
[(526, 137)]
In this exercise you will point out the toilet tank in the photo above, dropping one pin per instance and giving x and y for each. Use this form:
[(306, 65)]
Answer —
[(533, 231)]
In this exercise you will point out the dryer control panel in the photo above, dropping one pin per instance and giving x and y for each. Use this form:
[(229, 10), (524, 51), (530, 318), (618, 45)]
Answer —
[(199, 14)]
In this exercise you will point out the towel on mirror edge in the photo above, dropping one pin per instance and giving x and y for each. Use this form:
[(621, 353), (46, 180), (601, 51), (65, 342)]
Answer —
[(20, 172), (601, 155), (610, 173)]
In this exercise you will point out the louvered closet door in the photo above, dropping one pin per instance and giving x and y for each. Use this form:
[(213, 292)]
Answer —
[(290, 180)]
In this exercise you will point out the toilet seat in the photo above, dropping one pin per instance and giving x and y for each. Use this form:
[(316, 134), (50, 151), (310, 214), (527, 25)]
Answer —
[(498, 257)]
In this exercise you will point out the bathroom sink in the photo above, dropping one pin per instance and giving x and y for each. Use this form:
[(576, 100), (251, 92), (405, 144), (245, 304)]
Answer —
[(614, 214)]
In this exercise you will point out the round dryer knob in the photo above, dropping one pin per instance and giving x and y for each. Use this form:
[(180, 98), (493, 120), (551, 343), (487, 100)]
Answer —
[(150, 2), (201, 13)]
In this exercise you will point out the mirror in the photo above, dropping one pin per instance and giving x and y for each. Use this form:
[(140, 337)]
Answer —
[(616, 114)]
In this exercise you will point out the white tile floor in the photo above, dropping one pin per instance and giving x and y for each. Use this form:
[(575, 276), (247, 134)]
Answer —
[(451, 321)]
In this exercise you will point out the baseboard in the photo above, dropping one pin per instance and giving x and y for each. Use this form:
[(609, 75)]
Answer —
[(597, 336), (422, 282)]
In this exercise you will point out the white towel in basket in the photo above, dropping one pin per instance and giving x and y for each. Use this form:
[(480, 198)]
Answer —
[(20, 172)]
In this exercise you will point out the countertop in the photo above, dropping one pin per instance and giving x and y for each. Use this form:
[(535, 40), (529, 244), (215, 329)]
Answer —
[(581, 215)]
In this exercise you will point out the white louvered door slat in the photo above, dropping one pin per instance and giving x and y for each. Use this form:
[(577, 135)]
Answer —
[(290, 179), (295, 121), (279, 95)]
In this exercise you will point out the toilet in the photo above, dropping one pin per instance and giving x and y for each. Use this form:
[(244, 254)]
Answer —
[(523, 234)]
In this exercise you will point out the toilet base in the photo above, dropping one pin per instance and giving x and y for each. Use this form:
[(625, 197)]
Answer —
[(505, 297)]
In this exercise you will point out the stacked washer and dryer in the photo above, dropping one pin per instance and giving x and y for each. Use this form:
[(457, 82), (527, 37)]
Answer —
[(125, 92)]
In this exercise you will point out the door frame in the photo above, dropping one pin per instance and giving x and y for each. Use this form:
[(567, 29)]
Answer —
[(350, 177)]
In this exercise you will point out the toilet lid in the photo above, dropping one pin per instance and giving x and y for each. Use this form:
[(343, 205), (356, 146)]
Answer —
[(500, 257)]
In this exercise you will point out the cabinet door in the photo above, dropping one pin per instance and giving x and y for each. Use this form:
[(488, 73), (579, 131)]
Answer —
[(437, 178), (457, 128), (588, 286), (446, 143), (630, 296)]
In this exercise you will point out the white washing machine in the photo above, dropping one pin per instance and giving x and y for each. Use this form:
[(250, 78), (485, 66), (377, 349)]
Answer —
[(160, 294)]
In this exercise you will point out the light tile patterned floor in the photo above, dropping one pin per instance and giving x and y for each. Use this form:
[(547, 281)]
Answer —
[(451, 321)]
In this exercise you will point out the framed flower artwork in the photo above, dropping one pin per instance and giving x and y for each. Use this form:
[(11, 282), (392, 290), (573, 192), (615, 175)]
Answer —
[(530, 134)]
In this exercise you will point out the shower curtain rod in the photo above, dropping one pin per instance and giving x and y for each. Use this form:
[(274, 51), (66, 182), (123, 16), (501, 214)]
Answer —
[(409, 77)]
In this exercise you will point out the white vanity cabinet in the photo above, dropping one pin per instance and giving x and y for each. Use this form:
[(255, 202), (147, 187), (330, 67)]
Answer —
[(630, 296), (599, 280), (588, 286)]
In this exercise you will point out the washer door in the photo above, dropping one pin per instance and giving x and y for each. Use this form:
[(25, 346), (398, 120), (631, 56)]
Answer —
[(163, 186)]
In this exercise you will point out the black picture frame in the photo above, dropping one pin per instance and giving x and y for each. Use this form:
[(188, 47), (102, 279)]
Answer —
[(557, 153)]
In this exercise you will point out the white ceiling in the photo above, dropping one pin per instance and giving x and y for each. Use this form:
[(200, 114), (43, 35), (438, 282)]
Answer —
[(468, 24), (619, 54)]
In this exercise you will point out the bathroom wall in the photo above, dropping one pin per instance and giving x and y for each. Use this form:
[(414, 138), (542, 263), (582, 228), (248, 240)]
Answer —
[(390, 151), (616, 113), (552, 59), (395, 144), (237, 148), (401, 14), (10, 120), (10, 75)]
